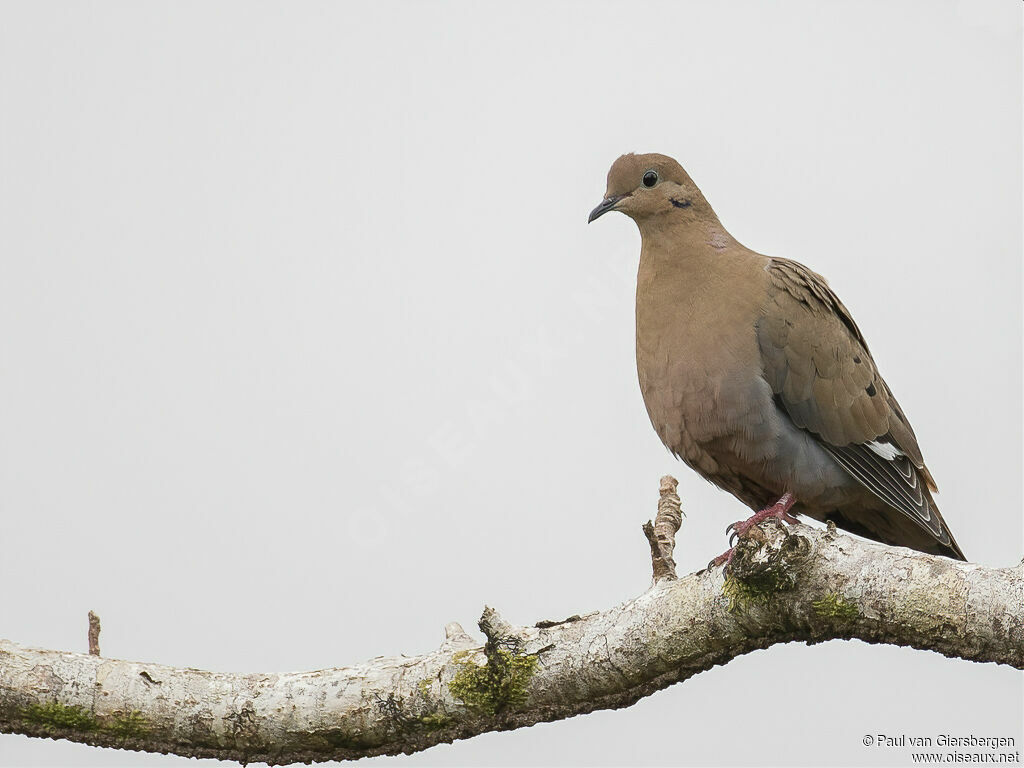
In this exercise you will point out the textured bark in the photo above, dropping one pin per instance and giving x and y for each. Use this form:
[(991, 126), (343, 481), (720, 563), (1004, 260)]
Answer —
[(94, 634), (795, 584), (661, 534)]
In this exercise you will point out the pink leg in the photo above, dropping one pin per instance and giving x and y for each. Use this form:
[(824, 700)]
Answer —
[(779, 510)]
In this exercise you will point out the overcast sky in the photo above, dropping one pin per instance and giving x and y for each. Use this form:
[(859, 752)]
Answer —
[(307, 348)]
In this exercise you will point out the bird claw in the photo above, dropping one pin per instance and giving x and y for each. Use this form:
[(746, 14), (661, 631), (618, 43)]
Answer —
[(779, 510), (740, 527), (723, 559)]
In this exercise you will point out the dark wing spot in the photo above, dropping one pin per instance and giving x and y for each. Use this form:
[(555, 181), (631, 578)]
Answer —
[(856, 360), (871, 390)]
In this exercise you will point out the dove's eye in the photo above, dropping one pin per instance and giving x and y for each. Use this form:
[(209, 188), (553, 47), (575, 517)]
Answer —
[(650, 179)]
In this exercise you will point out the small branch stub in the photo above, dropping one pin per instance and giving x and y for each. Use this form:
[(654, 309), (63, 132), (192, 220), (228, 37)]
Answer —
[(456, 638), (94, 634), (661, 534)]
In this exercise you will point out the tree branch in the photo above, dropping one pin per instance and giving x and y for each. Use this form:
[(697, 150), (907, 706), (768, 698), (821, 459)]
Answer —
[(94, 634), (785, 584), (661, 535)]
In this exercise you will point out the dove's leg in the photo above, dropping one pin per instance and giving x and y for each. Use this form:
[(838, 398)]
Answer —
[(779, 510)]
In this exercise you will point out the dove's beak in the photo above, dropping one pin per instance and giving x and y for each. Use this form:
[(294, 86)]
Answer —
[(608, 204)]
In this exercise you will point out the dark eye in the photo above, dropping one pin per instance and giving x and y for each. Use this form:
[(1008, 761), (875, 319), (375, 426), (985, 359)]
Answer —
[(650, 179)]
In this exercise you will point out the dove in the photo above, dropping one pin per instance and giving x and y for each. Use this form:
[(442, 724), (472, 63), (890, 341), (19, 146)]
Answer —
[(755, 374)]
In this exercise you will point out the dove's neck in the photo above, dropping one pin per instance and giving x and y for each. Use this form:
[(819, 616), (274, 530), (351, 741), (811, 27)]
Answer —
[(694, 269), (685, 246)]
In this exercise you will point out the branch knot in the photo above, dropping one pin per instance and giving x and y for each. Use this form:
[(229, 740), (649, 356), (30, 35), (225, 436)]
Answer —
[(769, 556)]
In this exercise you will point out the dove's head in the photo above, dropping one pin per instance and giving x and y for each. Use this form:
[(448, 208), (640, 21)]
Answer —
[(647, 186)]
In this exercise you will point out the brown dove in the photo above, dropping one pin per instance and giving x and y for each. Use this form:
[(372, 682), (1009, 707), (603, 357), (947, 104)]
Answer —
[(755, 374)]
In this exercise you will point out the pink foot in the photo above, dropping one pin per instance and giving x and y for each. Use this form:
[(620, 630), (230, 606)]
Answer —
[(779, 510), (723, 559)]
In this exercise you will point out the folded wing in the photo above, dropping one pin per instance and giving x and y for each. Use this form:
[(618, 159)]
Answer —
[(819, 367)]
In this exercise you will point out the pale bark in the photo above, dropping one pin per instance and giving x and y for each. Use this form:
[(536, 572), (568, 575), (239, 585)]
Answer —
[(785, 584)]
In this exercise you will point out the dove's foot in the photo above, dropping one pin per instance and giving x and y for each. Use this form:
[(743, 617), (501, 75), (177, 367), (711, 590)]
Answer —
[(723, 559), (779, 510)]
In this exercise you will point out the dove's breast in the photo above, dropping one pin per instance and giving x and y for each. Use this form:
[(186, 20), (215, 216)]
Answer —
[(695, 342), (701, 377)]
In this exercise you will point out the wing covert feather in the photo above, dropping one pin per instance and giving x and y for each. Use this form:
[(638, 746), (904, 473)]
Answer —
[(817, 363)]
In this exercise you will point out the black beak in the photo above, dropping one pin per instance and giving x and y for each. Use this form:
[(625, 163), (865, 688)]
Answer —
[(608, 204)]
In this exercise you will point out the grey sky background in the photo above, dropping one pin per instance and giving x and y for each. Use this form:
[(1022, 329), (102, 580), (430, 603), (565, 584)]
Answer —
[(307, 348)]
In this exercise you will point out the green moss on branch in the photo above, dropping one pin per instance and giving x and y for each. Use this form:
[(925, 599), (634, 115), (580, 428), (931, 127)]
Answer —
[(499, 685)]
